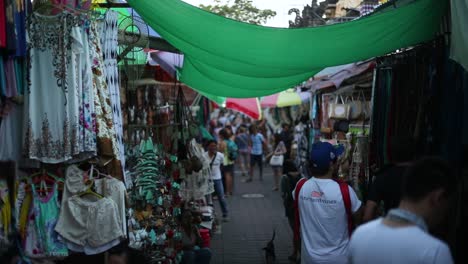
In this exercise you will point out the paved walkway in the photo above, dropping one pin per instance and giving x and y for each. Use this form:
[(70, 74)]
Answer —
[(252, 223)]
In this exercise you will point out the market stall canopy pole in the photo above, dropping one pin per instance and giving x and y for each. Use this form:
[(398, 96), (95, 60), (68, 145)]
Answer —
[(234, 59)]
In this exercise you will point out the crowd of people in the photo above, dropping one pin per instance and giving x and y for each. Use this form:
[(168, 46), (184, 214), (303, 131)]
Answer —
[(248, 144), (329, 222)]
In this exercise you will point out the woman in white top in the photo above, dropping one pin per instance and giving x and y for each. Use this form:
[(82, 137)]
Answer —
[(280, 150), (216, 160)]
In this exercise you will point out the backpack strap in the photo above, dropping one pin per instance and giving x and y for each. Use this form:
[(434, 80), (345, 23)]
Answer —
[(297, 220), (213, 159), (347, 203)]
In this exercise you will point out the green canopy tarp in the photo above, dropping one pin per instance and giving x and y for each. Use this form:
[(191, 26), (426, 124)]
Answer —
[(229, 58)]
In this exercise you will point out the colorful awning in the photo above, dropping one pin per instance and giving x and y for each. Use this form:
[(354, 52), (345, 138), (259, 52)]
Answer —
[(281, 99), (248, 106)]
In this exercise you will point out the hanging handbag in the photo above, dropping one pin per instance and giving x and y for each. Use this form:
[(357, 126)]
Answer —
[(277, 160), (367, 109), (195, 155), (339, 110), (356, 107), (341, 126)]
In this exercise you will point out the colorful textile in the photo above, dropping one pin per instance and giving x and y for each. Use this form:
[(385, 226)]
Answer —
[(20, 27), (24, 214), (366, 9), (45, 215), (233, 59), (5, 210), (248, 106)]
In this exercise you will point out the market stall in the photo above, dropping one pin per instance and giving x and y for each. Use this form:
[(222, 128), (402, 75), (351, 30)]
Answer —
[(100, 162), (104, 160)]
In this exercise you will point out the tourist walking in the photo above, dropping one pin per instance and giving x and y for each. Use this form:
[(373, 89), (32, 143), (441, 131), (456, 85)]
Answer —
[(403, 235), (229, 150), (242, 142), (287, 136), (257, 143), (216, 160), (291, 176), (277, 159), (325, 207)]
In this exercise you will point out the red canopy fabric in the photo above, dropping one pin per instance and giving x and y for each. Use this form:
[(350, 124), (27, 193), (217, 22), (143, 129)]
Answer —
[(248, 106)]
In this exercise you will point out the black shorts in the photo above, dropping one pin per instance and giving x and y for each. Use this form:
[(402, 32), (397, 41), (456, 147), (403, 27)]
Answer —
[(256, 159), (228, 168)]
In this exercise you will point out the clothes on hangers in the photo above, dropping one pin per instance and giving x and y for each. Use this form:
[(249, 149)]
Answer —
[(5, 210), (116, 191), (22, 8), (10, 133), (86, 221), (106, 134), (53, 121), (10, 8), (10, 78), (89, 225), (407, 100), (23, 205), (109, 42), (42, 239)]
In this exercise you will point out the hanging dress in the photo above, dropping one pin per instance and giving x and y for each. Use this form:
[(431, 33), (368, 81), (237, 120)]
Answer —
[(109, 33), (10, 133), (53, 128), (106, 136)]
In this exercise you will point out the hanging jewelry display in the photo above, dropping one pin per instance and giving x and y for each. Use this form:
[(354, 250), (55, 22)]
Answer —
[(156, 204)]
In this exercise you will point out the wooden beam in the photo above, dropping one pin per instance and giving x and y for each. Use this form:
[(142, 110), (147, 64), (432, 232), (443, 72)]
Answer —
[(161, 44)]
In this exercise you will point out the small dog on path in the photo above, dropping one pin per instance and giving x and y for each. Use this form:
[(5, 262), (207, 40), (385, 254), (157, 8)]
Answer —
[(270, 255)]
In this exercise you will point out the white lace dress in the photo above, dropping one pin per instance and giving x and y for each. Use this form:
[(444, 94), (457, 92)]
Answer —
[(59, 122)]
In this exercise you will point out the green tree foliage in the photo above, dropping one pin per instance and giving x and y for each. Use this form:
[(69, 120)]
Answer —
[(241, 10)]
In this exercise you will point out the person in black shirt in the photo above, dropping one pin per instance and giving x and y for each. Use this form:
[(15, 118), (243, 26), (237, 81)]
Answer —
[(386, 187), (287, 137), (291, 176)]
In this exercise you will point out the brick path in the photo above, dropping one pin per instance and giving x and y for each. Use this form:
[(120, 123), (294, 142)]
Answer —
[(252, 223)]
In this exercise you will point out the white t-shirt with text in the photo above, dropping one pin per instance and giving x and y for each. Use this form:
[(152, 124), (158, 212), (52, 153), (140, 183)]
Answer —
[(376, 242), (324, 223), (216, 165)]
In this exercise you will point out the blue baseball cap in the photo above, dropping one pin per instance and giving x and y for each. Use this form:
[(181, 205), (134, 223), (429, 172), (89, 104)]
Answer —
[(323, 153)]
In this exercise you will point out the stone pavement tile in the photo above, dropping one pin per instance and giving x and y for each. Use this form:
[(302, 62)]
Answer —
[(252, 223)]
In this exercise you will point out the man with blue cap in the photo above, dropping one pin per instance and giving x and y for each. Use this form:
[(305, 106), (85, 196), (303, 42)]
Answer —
[(326, 208)]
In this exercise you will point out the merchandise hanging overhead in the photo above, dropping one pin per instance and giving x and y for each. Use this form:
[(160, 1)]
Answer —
[(234, 59)]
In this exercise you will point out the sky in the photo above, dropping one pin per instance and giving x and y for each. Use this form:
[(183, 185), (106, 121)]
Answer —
[(280, 6)]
